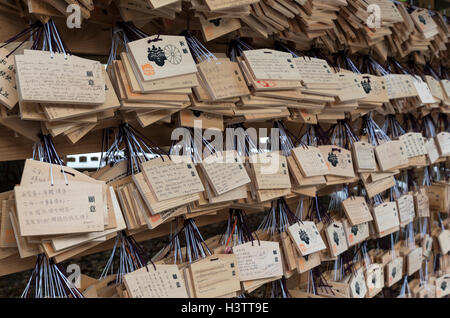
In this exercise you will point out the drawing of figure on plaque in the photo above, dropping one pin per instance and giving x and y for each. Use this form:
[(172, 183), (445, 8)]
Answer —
[(355, 230)]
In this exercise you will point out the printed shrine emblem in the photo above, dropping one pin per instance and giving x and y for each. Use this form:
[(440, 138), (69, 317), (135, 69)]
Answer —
[(366, 85), (336, 157), (422, 19), (357, 288), (333, 159), (394, 272), (160, 55), (216, 22), (336, 238), (444, 285), (157, 55), (355, 230), (304, 236)]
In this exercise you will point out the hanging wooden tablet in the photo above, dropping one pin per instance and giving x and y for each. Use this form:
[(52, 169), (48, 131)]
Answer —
[(258, 260), (423, 91), (356, 210), (443, 286), (391, 154), (432, 150), (374, 279), (336, 238), (400, 86), (364, 156), (424, 22), (388, 11), (215, 276), (172, 177), (223, 78), (338, 160), (376, 187), (394, 271), (162, 84), (158, 281), (265, 85), (386, 216), (224, 171), (357, 284), (375, 88), (306, 237), (443, 143), (266, 64), (270, 170), (59, 79), (316, 73), (421, 203), (406, 211), (414, 260), (349, 87), (355, 234), (161, 56), (435, 87), (414, 144), (310, 160), (61, 208)]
